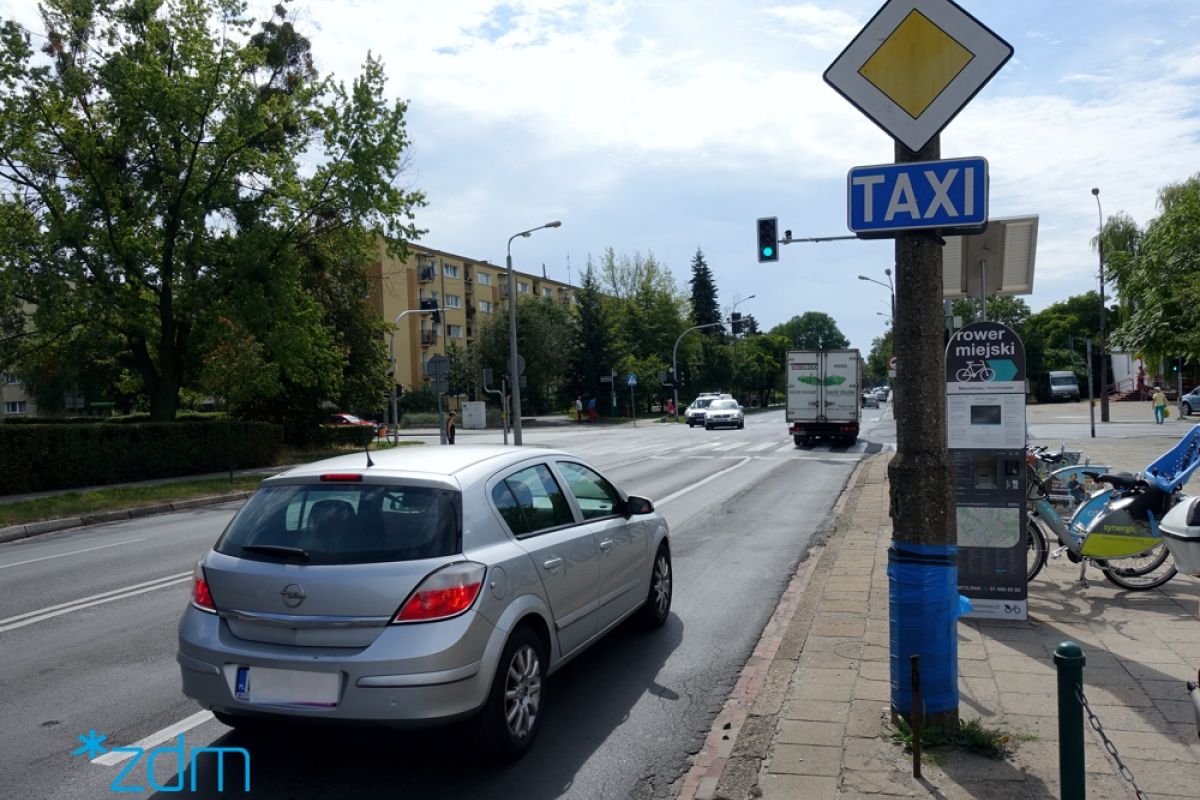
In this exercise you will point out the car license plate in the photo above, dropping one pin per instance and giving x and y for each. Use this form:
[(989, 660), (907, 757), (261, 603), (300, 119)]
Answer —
[(287, 687)]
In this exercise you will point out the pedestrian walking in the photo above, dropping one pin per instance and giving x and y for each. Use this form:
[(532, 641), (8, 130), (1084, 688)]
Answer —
[(592, 410), (1160, 405), (671, 408), (450, 428), (579, 409)]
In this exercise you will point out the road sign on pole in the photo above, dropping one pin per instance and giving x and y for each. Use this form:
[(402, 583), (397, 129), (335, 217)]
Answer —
[(915, 65), (931, 194), (631, 380)]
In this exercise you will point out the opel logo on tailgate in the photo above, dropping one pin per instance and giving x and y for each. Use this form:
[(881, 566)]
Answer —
[(293, 595)]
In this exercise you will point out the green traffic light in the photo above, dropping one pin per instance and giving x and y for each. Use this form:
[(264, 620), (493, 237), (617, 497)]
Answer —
[(768, 252)]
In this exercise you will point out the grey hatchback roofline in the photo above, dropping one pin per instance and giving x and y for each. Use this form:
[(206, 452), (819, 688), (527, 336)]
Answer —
[(426, 462)]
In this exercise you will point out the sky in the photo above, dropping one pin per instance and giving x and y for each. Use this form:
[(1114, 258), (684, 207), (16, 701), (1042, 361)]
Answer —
[(667, 127)]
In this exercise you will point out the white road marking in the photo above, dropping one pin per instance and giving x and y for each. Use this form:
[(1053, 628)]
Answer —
[(786, 448), (111, 759), (700, 483), (73, 552), (30, 617), (762, 446), (725, 448)]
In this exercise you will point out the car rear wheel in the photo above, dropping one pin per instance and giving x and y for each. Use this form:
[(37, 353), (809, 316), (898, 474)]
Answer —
[(658, 600), (512, 715), (1187, 408)]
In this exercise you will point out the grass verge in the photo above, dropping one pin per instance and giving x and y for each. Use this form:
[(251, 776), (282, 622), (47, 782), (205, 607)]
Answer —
[(971, 736), (78, 503)]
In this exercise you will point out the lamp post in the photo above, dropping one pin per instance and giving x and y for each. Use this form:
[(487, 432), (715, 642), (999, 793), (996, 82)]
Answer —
[(392, 357), (1103, 348), (675, 359), (889, 286), (514, 377), (735, 340)]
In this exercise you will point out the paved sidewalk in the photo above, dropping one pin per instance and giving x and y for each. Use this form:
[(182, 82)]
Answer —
[(809, 717)]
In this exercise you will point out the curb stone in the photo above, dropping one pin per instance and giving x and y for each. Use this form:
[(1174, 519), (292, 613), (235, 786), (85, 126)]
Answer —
[(728, 765)]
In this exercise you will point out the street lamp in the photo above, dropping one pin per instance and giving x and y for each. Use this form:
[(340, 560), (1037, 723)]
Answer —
[(735, 338), (514, 377), (889, 286), (392, 355), (675, 358), (1103, 353)]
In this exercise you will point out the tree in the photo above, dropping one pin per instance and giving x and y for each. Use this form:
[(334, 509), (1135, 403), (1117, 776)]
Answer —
[(704, 295), (544, 339), (1160, 279), (171, 165), (882, 350), (813, 330), (591, 355)]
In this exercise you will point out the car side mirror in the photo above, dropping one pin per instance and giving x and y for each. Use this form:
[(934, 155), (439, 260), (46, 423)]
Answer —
[(638, 505)]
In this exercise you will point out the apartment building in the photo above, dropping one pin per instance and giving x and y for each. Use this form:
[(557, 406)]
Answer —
[(13, 399), (467, 292)]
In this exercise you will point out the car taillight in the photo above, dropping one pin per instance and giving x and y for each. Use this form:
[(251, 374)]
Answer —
[(341, 477), (201, 596), (446, 593)]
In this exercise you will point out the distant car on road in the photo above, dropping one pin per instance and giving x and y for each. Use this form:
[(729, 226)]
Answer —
[(436, 584), (883, 393), (870, 400), (1190, 402), (724, 413), (696, 411), (344, 420)]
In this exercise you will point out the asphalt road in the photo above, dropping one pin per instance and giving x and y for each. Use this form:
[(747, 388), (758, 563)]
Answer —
[(87, 639)]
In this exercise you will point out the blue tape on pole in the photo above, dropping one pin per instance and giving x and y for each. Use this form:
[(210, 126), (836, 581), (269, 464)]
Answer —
[(923, 608)]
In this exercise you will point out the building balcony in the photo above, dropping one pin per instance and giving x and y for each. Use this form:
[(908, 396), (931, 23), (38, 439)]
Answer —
[(426, 274), (428, 338)]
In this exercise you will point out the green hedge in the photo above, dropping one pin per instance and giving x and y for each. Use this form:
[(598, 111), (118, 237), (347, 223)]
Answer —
[(39, 457)]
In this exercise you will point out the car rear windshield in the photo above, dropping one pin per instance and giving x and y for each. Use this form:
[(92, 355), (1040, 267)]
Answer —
[(345, 524), (703, 402), (1064, 380)]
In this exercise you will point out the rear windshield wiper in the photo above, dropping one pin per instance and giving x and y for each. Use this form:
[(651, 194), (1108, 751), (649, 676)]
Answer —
[(278, 550)]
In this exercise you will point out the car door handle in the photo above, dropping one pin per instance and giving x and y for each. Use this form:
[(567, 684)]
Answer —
[(606, 545), (552, 564)]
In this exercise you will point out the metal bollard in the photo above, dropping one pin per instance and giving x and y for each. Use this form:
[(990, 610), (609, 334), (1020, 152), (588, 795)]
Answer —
[(1069, 659)]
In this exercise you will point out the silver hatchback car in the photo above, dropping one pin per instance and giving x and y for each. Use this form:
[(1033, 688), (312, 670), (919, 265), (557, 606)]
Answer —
[(435, 584)]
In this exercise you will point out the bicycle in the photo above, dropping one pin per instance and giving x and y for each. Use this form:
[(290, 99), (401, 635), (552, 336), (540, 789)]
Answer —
[(1115, 529), (975, 371), (1067, 484)]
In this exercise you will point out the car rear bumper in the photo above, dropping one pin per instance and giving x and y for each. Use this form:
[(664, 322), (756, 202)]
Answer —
[(376, 683)]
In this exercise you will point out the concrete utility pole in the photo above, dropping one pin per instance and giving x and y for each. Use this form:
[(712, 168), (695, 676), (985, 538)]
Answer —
[(1103, 312), (920, 475)]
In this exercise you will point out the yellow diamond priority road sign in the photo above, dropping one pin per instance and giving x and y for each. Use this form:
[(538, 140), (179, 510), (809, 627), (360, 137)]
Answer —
[(915, 65)]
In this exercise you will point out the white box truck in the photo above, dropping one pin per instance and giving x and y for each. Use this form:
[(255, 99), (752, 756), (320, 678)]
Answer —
[(823, 395)]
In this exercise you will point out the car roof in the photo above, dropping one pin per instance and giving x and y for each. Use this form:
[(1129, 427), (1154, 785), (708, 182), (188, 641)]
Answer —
[(458, 464)]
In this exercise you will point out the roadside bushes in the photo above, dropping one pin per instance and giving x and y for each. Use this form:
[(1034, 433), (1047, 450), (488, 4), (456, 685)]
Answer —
[(42, 456)]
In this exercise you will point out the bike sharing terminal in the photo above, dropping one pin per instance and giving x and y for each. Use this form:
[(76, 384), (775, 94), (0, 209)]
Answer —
[(985, 433)]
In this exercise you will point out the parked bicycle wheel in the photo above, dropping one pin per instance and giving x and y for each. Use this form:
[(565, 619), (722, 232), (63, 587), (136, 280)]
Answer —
[(1139, 573), (1036, 550)]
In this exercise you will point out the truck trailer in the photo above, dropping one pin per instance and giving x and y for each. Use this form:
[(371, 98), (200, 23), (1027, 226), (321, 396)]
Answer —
[(823, 395)]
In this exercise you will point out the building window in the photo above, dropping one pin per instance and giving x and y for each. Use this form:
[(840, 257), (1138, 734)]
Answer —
[(15, 407), (9, 377), (485, 306), (425, 294), (454, 331), (547, 293), (453, 301), (522, 288), (483, 278), (449, 270)]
